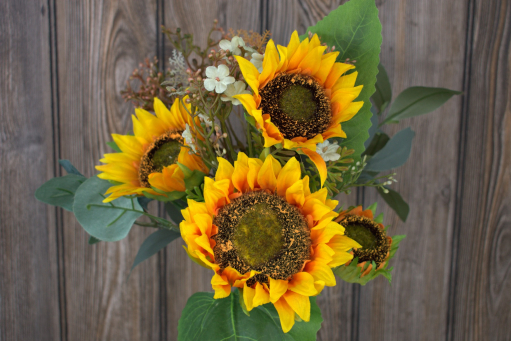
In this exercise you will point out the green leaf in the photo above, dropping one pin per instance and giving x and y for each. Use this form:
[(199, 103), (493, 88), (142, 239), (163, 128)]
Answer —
[(373, 208), (374, 127), (93, 240), (396, 202), (394, 153), (383, 94), (174, 212), (154, 243), (143, 201), (68, 166), (418, 100), (377, 143), (105, 221), (114, 146), (355, 30), (60, 191), (205, 318)]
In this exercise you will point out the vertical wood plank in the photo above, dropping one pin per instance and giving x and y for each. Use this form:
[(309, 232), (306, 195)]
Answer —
[(423, 44), (29, 299), (99, 45), (184, 277), (481, 280)]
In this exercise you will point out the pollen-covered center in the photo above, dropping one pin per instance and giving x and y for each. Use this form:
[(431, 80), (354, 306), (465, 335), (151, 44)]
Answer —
[(161, 153), (297, 105), (258, 236), (261, 231), (369, 235)]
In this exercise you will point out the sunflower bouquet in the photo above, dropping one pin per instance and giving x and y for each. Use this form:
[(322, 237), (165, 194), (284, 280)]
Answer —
[(247, 143)]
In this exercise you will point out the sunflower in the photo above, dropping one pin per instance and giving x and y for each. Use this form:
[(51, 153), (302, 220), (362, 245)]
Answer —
[(262, 231), (149, 157), (301, 96), (376, 249)]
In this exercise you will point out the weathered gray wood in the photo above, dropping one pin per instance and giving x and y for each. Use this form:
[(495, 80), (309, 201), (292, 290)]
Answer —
[(99, 45), (481, 275), (29, 288)]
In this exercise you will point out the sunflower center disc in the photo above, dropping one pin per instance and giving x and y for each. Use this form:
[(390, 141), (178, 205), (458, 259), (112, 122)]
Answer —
[(298, 103), (166, 155), (161, 153), (258, 236), (361, 235), (262, 232), (370, 235)]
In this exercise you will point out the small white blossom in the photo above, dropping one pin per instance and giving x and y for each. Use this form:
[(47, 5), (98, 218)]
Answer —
[(218, 78), (233, 45), (206, 120), (328, 151), (187, 135), (257, 60), (238, 88)]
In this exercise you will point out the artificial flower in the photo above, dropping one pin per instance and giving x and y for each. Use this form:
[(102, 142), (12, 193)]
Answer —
[(301, 97), (328, 151), (237, 88), (257, 60), (261, 230), (218, 78), (233, 46), (149, 157)]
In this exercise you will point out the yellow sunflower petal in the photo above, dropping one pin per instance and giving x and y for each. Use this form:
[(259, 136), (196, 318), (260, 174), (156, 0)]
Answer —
[(318, 161), (302, 283), (250, 73), (346, 81), (294, 42), (239, 175), (321, 272), (288, 176), (277, 288), (295, 194), (270, 64), (254, 167), (267, 177), (312, 62), (261, 296), (337, 70), (327, 62), (248, 296), (286, 314), (300, 304)]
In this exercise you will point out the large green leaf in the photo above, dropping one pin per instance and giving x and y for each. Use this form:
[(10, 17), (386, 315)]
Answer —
[(105, 221), (418, 100), (154, 243), (60, 191), (205, 318), (383, 94), (68, 166), (394, 153), (396, 202), (355, 31)]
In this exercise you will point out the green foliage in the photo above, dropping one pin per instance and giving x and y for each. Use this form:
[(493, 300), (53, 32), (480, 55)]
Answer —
[(173, 209), (205, 318), (60, 191), (394, 153), (396, 202), (154, 243), (70, 169), (383, 94), (93, 240), (355, 30), (418, 100), (105, 221), (378, 141), (351, 273)]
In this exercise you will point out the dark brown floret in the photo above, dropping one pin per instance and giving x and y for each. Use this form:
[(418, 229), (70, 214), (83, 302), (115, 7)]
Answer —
[(378, 251), (304, 124), (295, 237), (147, 166)]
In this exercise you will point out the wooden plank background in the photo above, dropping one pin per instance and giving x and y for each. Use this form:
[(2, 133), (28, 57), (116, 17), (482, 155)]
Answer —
[(62, 66)]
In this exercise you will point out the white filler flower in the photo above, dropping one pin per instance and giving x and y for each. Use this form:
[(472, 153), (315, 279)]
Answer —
[(257, 60), (187, 135), (218, 78), (328, 151), (238, 88), (206, 119), (233, 45)]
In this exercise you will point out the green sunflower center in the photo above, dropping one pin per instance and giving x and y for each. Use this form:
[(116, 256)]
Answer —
[(161, 153), (361, 235), (369, 235), (262, 232), (298, 102), (258, 236), (166, 155)]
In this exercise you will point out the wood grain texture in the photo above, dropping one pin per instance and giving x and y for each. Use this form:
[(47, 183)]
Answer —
[(99, 45), (62, 66), (481, 279), (29, 299)]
